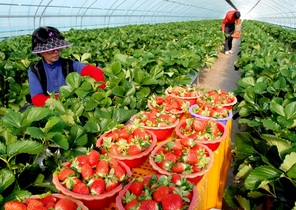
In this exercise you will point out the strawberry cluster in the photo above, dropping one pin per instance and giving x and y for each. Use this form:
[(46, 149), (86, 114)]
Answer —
[(91, 174), (42, 203), (182, 156), (125, 141), (218, 97), (158, 192), (199, 129), (154, 118), (184, 91), (168, 103)]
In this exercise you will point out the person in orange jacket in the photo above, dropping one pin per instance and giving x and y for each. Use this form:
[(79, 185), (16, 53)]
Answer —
[(49, 73), (229, 24)]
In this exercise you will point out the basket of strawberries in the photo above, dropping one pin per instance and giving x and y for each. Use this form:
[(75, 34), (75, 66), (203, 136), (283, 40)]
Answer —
[(130, 144), (162, 124), (168, 192), (183, 156), (94, 178)]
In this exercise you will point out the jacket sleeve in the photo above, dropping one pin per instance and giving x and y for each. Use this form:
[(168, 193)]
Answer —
[(95, 73), (40, 99)]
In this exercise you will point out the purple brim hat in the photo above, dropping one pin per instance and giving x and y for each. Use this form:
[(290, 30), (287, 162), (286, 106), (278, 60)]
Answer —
[(53, 44)]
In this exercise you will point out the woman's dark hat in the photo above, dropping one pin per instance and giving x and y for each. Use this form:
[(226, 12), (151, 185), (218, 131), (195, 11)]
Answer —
[(46, 39)]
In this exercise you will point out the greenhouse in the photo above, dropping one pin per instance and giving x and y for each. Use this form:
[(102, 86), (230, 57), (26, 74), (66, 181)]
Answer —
[(163, 104)]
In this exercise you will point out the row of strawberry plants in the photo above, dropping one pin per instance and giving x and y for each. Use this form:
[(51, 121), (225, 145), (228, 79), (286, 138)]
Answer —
[(168, 52), (265, 152), (36, 140)]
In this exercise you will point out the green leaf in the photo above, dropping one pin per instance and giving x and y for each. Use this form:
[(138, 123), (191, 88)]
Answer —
[(12, 119), (36, 132), (245, 143), (290, 110), (118, 91), (269, 124), (282, 145), (74, 80), (61, 140), (6, 179), (250, 96), (35, 114), (244, 203), (277, 108), (289, 162), (26, 146), (248, 81), (122, 115), (261, 176)]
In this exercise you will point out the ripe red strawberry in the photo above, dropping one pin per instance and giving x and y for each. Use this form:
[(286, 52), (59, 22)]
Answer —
[(172, 202), (34, 204), (170, 157), (94, 157), (134, 149), (102, 168), (160, 193), (187, 141), (81, 188), (119, 172), (87, 171), (111, 182), (166, 165), (191, 157), (48, 201), (136, 187), (134, 204), (98, 186), (65, 204), (178, 167), (114, 149), (148, 204), (70, 182), (176, 179), (178, 153), (13, 205), (199, 125), (65, 173), (82, 159)]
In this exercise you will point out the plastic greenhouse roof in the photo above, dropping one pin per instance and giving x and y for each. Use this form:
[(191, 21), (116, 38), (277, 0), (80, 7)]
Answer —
[(19, 17)]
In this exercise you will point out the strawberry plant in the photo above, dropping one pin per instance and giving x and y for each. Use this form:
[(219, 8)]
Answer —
[(158, 191)]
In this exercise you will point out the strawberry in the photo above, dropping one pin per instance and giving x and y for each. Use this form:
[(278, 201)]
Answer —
[(170, 157), (65, 204), (172, 202), (34, 204), (48, 201), (178, 167), (199, 126), (166, 165), (70, 182), (87, 171), (176, 179), (178, 153), (174, 145), (136, 187), (134, 149), (13, 205), (94, 157), (148, 205), (134, 204), (102, 168), (98, 186), (119, 172), (64, 173), (189, 142), (111, 181), (160, 193), (81, 188), (191, 157), (114, 149), (123, 133)]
